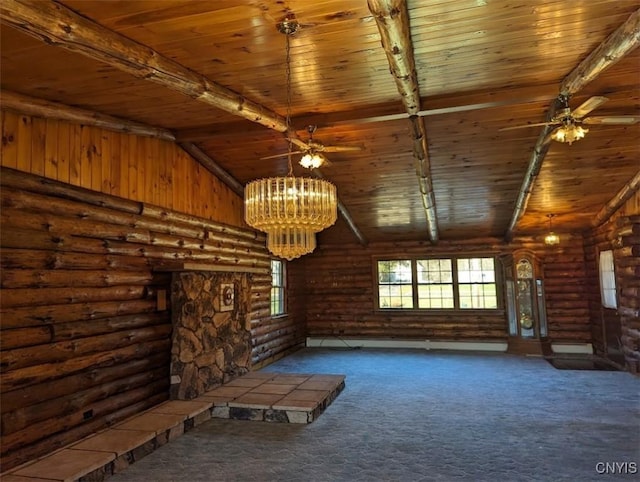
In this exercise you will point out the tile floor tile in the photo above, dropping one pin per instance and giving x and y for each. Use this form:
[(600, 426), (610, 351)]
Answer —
[(288, 379), (256, 400), (245, 382), (67, 464), (189, 408), (229, 392), (313, 395), (152, 422), (113, 440), (277, 388)]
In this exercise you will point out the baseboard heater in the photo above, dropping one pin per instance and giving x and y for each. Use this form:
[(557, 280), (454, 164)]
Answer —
[(498, 346)]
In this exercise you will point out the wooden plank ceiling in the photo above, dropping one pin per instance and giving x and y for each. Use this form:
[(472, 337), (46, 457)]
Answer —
[(481, 65)]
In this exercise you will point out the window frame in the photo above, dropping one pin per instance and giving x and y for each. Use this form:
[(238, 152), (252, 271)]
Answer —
[(601, 279), (281, 288), (498, 276)]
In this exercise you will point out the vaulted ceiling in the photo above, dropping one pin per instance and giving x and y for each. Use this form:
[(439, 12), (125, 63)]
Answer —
[(480, 66)]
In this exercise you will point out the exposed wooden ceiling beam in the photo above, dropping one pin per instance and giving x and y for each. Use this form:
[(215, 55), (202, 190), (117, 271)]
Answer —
[(392, 18), (437, 105), (624, 40), (56, 24), (53, 110), (616, 202)]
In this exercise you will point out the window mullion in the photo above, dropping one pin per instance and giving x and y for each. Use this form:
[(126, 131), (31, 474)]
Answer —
[(414, 282), (456, 291)]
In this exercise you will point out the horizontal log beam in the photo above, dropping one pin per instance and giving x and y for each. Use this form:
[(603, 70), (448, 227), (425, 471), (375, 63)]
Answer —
[(33, 106)]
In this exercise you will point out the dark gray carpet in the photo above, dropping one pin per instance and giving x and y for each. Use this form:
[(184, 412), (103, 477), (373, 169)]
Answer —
[(412, 415)]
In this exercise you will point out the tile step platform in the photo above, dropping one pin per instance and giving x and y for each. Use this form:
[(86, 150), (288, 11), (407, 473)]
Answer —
[(258, 396)]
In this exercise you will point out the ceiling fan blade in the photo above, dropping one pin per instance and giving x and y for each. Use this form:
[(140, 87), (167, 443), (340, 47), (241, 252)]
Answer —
[(623, 120), (588, 105), (529, 125), (342, 148), (284, 154)]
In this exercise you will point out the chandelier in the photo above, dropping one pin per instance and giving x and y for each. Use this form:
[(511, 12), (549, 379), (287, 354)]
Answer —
[(569, 132), (291, 210), (551, 238)]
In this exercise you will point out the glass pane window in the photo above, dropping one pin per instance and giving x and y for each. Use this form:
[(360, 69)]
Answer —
[(477, 283), (608, 280), (435, 296), (478, 296), (395, 296), (395, 284), (438, 284), (277, 287), (394, 272)]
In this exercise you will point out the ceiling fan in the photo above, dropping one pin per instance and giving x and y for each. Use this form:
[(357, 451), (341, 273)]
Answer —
[(313, 156), (570, 122)]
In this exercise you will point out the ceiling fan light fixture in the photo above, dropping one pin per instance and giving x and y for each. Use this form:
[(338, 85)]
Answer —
[(569, 132), (312, 160)]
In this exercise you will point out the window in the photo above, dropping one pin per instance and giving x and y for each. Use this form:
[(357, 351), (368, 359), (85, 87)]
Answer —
[(477, 283), (395, 284), (443, 283), (277, 287), (608, 280)]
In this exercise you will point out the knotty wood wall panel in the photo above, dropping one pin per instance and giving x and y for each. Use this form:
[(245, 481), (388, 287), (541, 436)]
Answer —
[(82, 341), (340, 293), (137, 168)]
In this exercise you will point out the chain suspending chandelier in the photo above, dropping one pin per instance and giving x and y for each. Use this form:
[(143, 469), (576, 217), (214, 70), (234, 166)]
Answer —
[(291, 210)]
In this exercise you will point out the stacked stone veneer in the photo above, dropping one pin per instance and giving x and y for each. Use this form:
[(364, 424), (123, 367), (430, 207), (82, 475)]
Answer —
[(211, 339)]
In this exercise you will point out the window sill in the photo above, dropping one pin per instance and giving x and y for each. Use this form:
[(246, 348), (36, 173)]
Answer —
[(440, 311)]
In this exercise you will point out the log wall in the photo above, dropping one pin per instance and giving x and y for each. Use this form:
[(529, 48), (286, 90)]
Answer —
[(340, 290), (84, 338), (616, 333)]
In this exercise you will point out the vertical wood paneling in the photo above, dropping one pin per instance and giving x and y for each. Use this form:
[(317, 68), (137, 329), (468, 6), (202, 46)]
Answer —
[(105, 150), (51, 149), (9, 140), (86, 157), (64, 140), (38, 136), (24, 143), (141, 162), (96, 159), (132, 156), (75, 156), (143, 169), (115, 164)]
